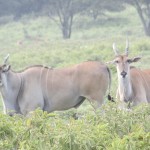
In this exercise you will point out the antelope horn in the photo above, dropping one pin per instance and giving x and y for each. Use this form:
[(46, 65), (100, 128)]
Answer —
[(115, 49), (6, 59), (127, 47)]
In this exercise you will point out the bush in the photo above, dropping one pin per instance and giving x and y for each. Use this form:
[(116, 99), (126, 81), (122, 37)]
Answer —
[(111, 129)]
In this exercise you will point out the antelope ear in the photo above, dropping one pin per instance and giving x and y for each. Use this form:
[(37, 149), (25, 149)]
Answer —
[(136, 59), (6, 68)]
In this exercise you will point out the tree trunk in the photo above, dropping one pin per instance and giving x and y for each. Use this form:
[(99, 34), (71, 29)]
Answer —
[(67, 26), (144, 21), (65, 13), (65, 33)]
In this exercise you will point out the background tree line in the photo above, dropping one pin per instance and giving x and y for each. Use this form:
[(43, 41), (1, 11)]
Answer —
[(63, 12)]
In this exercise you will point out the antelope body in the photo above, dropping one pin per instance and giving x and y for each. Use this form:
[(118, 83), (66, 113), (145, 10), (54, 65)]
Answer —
[(133, 83), (53, 89)]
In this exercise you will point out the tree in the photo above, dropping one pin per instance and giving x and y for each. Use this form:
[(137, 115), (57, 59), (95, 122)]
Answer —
[(63, 12), (27, 7), (7, 7), (99, 7), (60, 11), (143, 10), (18, 8)]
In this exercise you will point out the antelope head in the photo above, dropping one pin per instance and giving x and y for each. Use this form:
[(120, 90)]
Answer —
[(5, 67), (122, 61)]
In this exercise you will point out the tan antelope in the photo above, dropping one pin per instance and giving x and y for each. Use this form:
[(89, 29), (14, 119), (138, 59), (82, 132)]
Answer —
[(53, 89), (133, 83)]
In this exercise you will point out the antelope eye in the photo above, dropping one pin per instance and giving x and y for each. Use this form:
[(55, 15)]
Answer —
[(116, 61), (129, 60)]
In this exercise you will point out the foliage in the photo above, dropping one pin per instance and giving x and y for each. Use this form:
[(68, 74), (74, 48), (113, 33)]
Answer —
[(100, 7), (111, 129), (18, 8)]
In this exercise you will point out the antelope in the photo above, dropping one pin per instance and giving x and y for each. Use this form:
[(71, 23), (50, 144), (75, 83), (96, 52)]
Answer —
[(53, 89), (133, 83)]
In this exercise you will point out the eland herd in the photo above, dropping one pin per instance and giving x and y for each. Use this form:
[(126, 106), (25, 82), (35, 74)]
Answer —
[(60, 89)]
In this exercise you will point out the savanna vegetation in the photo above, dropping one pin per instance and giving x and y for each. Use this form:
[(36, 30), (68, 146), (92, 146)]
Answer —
[(31, 39), (112, 130)]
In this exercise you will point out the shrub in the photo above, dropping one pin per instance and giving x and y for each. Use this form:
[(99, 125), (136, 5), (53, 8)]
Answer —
[(108, 129)]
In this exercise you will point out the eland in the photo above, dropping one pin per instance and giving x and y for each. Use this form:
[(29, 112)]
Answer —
[(53, 89), (133, 83)]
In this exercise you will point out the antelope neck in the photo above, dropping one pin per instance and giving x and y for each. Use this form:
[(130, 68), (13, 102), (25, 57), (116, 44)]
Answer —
[(125, 89)]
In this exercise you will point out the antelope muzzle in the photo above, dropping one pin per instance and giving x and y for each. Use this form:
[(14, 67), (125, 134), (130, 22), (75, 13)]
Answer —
[(123, 74)]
